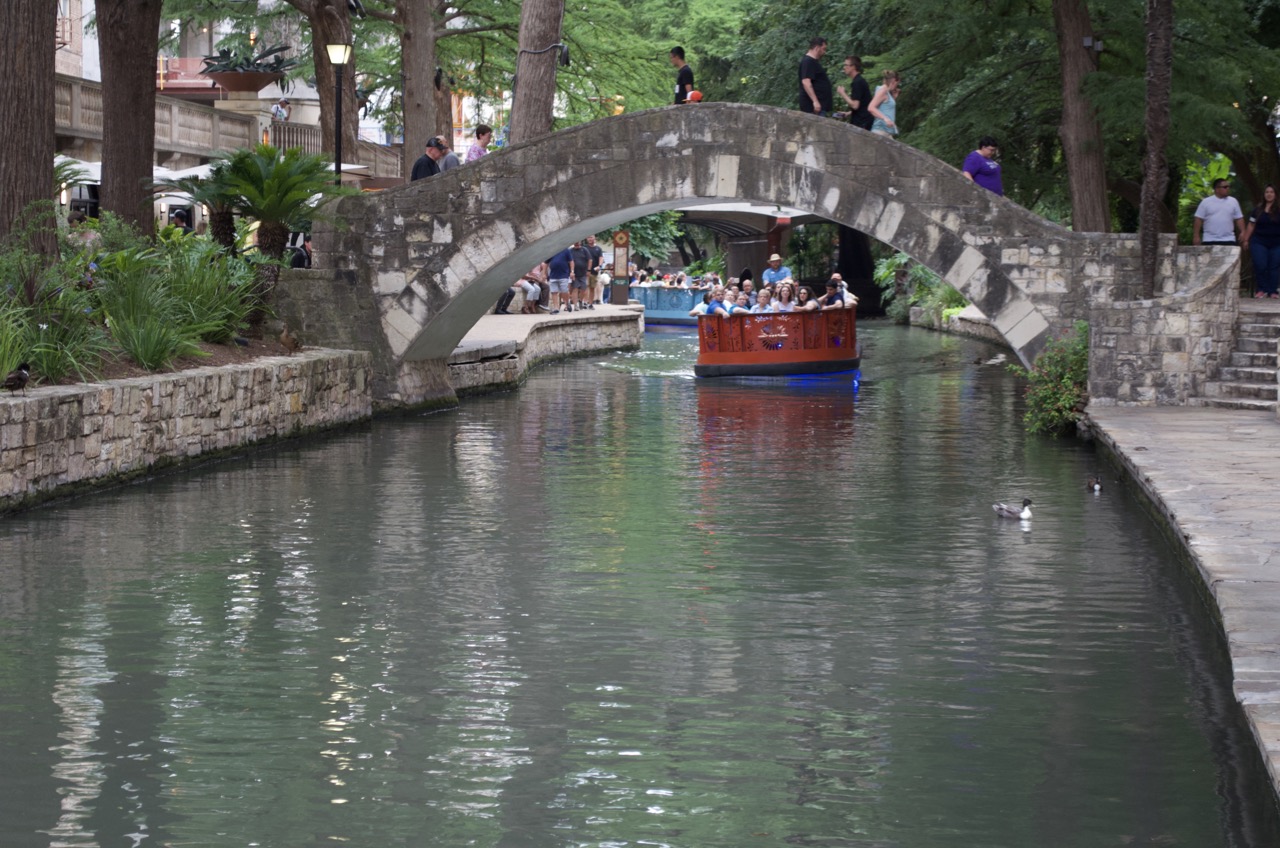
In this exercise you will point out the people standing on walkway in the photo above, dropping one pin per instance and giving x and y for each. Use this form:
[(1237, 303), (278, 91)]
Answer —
[(578, 284), (884, 105), (1262, 240), (815, 85), (684, 75), (480, 147), (593, 272), (428, 164), (858, 96), (1218, 217), (981, 167), (449, 160), (559, 273)]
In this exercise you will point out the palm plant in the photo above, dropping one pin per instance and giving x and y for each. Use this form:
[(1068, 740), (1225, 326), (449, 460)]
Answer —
[(212, 192)]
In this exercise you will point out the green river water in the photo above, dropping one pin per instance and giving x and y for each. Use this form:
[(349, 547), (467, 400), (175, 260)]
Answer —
[(623, 607)]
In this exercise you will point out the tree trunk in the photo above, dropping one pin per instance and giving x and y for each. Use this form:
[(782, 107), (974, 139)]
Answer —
[(1080, 132), (418, 64), (27, 131), (330, 23), (1155, 175), (857, 267), (535, 85), (444, 110), (128, 43)]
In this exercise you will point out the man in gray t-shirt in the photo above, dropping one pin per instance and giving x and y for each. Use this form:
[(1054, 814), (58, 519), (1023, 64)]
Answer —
[(1218, 217)]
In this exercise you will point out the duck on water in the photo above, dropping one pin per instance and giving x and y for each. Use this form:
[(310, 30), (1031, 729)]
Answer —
[(1005, 511)]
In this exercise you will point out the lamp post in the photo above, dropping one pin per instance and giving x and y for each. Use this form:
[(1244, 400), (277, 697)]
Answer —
[(339, 56)]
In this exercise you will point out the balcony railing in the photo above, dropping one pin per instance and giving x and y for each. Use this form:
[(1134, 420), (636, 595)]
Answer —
[(181, 127)]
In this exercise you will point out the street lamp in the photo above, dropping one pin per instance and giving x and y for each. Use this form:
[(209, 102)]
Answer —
[(339, 56)]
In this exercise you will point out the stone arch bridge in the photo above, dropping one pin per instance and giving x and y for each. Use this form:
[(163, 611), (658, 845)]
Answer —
[(413, 268)]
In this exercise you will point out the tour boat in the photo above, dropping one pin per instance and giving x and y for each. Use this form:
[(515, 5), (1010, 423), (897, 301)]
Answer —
[(775, 344)]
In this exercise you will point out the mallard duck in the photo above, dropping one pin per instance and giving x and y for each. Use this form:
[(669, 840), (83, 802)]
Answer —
[(17, 378), (1005, 511), (1094, 484)]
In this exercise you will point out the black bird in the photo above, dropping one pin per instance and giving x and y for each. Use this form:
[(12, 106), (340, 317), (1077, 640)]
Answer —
[(18, 378)]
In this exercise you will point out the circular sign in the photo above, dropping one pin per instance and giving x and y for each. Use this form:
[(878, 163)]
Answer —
[(621, 238)]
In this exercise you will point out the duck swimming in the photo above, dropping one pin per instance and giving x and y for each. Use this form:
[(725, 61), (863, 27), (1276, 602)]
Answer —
[(1094, 484), (1005, 511)]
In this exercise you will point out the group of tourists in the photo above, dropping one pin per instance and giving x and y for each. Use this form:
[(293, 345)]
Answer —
[(438, 157), (573, 279), (1219, 220), (779, 292)]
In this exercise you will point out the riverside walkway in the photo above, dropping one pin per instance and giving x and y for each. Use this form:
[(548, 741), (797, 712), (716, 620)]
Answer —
[(1214, 473)]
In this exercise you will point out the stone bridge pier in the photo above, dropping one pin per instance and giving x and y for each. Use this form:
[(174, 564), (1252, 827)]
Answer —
[(406, 273)]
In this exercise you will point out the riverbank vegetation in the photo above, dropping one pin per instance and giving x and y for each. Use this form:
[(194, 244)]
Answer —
[(113, 296), (905, 283), (1058, 383)]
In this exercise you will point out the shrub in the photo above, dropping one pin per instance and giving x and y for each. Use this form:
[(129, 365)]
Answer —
[(14, 319), (141, 312), (214, 291), (1057, 383), (906, 283), (63, 338)]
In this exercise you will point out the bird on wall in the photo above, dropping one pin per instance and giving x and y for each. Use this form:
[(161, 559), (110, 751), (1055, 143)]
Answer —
[(18, 378), (290, 343)]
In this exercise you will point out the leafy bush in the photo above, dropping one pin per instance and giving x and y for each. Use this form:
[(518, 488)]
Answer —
[(214, 291), (142, 313), (906, 283), (62, 337), (14, 319), (1057, 383)]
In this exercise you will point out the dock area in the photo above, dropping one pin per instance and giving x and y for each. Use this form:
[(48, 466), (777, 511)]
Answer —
[(1214, 474)]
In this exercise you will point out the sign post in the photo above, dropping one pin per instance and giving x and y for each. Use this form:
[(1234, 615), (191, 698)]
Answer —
[(619, 286)]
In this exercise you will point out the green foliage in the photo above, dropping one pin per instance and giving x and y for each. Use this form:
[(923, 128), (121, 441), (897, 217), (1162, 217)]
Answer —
[(717, 262), (652, 237), (1057, 383), (62, 338), (233, 60), (14, 337), (906, 283), (810, 251), (142, 313), (213, 291)]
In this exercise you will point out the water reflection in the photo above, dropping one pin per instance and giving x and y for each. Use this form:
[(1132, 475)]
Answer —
[(624, 607)]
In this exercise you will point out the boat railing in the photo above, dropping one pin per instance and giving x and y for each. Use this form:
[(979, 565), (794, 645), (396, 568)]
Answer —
[(830, 333)]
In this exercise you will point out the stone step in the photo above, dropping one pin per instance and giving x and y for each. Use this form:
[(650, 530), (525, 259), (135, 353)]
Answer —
[(1249, 344), (1240, 359), (1259, 331), (1258, 391), (1240, 403), (1248, 375)]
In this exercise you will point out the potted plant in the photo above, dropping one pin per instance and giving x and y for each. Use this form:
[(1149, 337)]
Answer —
[(238, 71)]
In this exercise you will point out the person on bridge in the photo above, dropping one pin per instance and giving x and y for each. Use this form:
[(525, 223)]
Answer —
[(559, 272), (980, 166), (858, 97), (884, 105), (428, 164), (684, 75), (479, 147), (1218, 217), (815, 85), (776, 272), (449, 160), (1262, 240)]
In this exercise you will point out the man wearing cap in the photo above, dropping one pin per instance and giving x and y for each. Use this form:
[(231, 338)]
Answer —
[(776, 272), (282, 110), (428, 164)]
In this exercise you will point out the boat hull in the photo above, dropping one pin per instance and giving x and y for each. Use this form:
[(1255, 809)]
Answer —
[(777, 345)]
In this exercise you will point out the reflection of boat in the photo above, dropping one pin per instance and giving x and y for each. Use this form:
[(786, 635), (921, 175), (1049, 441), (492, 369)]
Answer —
[(776, 344), (667, 305)]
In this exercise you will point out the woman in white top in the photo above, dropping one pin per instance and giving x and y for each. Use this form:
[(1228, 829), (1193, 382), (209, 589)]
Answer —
[(786, 299)]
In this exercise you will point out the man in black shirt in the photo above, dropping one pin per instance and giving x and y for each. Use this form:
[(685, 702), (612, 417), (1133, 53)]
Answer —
[(684, 75), (815, 85), (428, 164), (858, 97)]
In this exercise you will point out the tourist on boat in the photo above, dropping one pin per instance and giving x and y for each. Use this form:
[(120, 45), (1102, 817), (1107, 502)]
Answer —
[(764, 303), (749, 289), (806, 301), (701, 308), (786, 301), (717, 305), (743, 305), (776, 272), (834, 298)]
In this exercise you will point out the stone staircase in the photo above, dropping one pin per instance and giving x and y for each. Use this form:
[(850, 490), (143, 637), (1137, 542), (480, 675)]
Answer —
[(1249, 381)]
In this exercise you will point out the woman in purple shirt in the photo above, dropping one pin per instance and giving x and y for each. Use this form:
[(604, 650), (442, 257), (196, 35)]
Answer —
[(981, 166)]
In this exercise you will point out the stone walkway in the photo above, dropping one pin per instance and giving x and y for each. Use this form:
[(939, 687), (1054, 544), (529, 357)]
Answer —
[(512, 331), (1215, 473)]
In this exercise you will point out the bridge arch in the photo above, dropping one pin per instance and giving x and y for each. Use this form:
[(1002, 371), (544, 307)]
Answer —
[(436, 254)]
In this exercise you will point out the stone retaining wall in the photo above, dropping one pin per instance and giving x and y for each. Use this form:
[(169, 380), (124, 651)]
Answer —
[(497, 365), (60, 436)]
